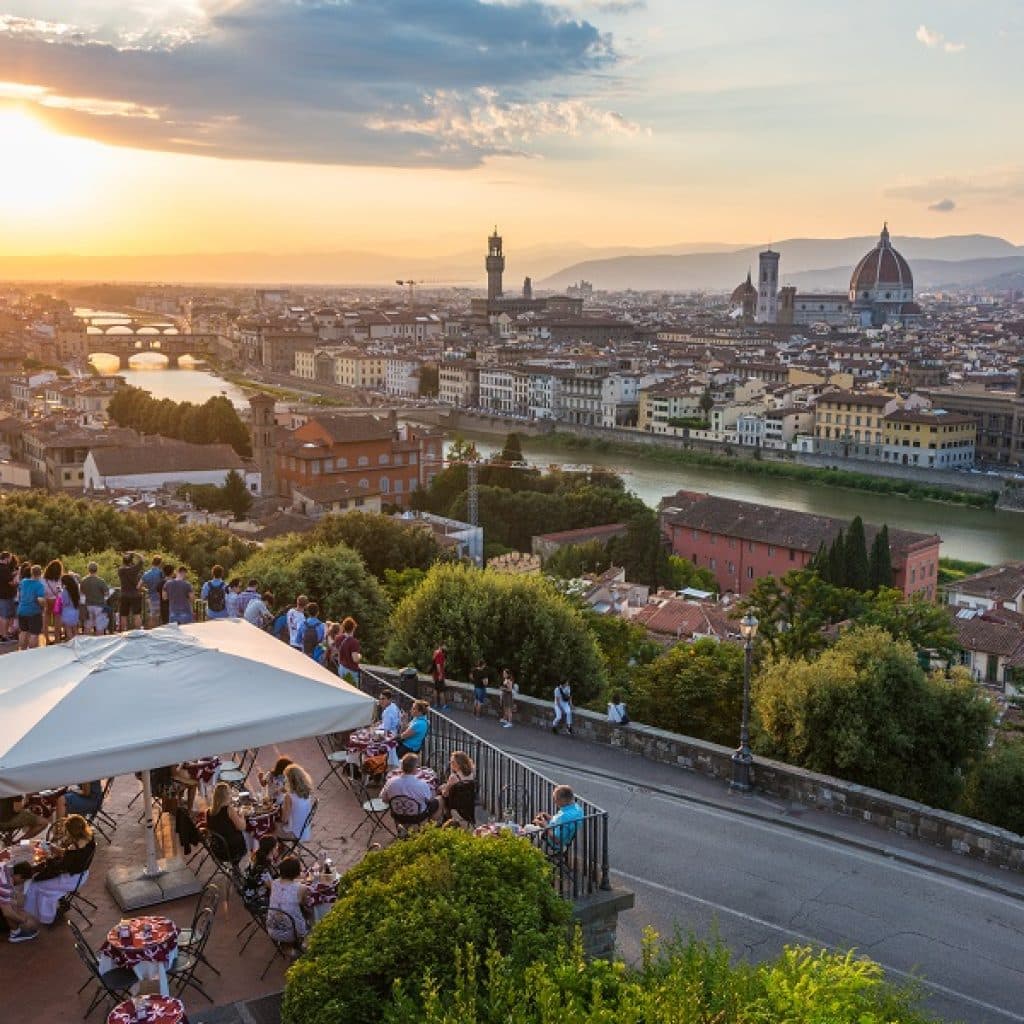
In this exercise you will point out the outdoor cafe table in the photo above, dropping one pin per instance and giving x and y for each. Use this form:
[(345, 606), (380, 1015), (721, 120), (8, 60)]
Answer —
[(323, 891), (204, 770), (370, 742), (149, 957), (44, 803), (260, 821), (498, 828), (428, 775), (158, 1009)]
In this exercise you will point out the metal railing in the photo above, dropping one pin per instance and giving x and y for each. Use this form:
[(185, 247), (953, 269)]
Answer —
[(510, 791)]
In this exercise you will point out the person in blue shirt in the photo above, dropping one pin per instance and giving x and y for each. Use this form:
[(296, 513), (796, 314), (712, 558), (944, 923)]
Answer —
[(31, 601), (153, 580), (561, 826), (215, 594), (312, 631), (411, 741)]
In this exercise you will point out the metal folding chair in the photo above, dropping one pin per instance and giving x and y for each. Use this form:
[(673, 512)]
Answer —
[(290, 845), (113, 985), (337, 762), (375, 812), (283, 924), (183, 973), (188, 938)]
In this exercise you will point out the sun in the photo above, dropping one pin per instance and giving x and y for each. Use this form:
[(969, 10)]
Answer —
[(41, 173)]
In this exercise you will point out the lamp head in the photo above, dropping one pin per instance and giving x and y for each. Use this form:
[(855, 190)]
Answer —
[(748, 626)]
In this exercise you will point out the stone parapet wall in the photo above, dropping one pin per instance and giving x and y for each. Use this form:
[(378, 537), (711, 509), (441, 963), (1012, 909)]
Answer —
[(942, 828)]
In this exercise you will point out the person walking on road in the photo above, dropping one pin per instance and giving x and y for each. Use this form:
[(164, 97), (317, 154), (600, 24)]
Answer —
[(508, 696), (563, 708), (479, 676)]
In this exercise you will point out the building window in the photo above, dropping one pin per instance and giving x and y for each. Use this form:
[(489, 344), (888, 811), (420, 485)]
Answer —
[(771, 550), (712, 565), (341, 463), (363, 460), (384, 485), (693, 534), (750, 572), (398, 487), (732, 569), (364, 483), (383, 460), (792, 554)]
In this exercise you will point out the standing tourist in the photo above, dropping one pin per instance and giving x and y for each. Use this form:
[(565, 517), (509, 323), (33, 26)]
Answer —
[(129, 573), (51, 581), (349, 651), (8, 597), (563, 708), (69, 602), (215, 594), (312, 630), (296, 617), (438, 663), (31, 604), (259, 611), (480, 677), (95, 592), (508, 695), (231, 598), (251, 593), (153, 580), (180, 595)]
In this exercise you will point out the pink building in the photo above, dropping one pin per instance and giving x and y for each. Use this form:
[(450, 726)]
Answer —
[(741, 542)]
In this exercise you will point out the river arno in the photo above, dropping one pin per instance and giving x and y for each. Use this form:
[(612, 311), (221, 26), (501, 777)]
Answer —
[(967, 533)]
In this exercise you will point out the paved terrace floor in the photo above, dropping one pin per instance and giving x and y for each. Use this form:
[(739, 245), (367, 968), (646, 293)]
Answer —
[(39, 979)]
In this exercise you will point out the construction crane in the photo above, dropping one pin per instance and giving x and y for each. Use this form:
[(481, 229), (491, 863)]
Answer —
[(410, 283)]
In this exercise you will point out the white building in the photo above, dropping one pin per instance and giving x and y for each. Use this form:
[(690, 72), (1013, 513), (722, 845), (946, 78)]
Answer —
[(497, 389), (161, 462), (402, 376)]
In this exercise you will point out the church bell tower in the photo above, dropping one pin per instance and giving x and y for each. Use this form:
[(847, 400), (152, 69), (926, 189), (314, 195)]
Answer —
[(262, 427), (495, 264)]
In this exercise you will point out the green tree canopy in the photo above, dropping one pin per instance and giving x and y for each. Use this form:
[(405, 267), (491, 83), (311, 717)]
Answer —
[(517, 622), (573, 560), (858, 573), (695, 689), (880, 560), (512, 450), (404, 911), (383, 542), (625, 646), (332, 575), (865, 710), (995, 789), (915, 619), (681, 573)]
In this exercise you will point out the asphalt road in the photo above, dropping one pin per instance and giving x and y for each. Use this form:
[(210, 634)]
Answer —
[(762, 876)]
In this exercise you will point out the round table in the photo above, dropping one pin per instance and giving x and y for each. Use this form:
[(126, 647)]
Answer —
[(260, 822), (428, 775), (323, 892), (202, 769), (148, 956), (506, 828), (44, 803), (161, 1010), (369, 743)]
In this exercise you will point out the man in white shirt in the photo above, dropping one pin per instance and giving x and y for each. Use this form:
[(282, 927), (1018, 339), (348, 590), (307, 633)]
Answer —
[(563, 708), (390, 716), (412, 790), (295, 618)]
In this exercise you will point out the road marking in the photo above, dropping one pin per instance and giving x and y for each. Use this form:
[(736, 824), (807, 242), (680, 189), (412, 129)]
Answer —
[(801, 937), (921, 872)]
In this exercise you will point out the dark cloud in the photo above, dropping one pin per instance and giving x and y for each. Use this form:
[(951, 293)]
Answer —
[(320, 80), (943, 206)]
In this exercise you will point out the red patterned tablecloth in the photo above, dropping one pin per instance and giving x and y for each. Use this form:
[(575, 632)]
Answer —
[(261, 823), (322, 892), (44, 804), (161, 1010), (502, 828), (366, 743), (160, 947), (428, 775), (203, 769)]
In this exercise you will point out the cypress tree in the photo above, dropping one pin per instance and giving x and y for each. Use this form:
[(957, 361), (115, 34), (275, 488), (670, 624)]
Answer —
[(881, 560), (858, 574), (819, 563), (837, 561)]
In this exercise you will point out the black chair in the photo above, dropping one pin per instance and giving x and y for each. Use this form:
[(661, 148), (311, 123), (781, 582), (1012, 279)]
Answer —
[(374, 811), (290, 845), (560, 855), (73, 900), (99, 819), (183, 973), (217, 849), (283, 931), (113, 985), (188, 938), (407, 813), (337, 762), (461, 799)]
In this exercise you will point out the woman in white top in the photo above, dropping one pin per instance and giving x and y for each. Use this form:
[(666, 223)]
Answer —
[(289, 895), (298, 800), (617, 713)]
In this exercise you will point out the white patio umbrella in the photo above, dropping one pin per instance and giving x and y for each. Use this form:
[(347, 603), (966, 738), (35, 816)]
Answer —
[(109, 705)]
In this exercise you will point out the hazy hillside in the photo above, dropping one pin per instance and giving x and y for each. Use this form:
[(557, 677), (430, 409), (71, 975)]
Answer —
[(832, 258), (986, 273)]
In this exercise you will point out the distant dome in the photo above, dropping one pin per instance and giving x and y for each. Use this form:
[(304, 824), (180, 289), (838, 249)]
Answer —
[(882, 267)]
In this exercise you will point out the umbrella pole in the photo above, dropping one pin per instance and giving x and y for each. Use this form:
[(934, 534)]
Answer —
[(152, 869)]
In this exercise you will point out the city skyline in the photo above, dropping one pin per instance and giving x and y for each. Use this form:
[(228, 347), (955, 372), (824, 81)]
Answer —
[(233, 125)]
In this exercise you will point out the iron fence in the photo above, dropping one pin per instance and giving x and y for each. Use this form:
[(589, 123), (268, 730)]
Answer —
[(510, 791)]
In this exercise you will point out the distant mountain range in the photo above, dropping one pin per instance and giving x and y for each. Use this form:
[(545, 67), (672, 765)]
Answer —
[(809, 263)]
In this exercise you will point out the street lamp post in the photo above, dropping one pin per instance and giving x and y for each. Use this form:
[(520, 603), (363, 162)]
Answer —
[(742, 759)]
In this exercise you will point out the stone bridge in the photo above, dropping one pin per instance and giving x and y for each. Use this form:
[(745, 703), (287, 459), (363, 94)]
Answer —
[(124, 343)]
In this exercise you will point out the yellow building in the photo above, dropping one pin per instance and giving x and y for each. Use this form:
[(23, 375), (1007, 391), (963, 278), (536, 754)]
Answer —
[(851, 423), (931, 438), (658, 405)]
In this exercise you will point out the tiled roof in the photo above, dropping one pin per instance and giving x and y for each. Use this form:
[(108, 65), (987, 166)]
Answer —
[(1000, 633), (768, 524), (165, 457), (332, 490), (680, 618), (353, 428), (999, 582)]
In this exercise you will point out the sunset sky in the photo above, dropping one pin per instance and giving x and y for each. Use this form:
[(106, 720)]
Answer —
[(310, 125)]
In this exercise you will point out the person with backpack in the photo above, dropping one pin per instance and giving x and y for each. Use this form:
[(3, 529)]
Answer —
[(215, 594), (312, 631), (563, 708), (349, 651)]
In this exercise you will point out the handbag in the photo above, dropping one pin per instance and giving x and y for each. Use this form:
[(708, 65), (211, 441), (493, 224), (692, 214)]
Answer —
[(58, 605)]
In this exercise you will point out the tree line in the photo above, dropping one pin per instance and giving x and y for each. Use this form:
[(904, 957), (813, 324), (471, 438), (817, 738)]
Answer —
[(216, 421)]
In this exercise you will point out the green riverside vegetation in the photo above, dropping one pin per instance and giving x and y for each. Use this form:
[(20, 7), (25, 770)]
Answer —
[(770, 468)]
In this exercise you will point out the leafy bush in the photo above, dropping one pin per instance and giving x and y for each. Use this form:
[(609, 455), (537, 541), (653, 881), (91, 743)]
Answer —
[(995, 789), (866, 711), (334, 576), (684, 983), (517, 622), (405, 910), (382, 542)]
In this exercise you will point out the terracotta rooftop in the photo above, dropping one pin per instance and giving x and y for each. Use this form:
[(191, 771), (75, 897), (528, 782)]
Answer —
[(165, 457), (999, 582)]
